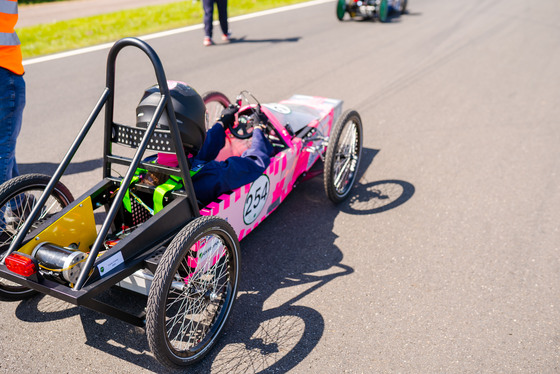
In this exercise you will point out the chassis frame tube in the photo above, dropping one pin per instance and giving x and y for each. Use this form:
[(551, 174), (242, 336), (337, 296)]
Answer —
[(58, 174)]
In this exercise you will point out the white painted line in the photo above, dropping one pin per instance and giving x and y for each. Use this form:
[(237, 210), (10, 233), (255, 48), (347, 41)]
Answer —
[(99, 47)]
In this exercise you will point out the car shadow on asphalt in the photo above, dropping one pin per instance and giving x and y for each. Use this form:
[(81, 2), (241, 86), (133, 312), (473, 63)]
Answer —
[(50, 167), (391, 18), (285, 261), (371, 197), (243, 39), (274, 325)]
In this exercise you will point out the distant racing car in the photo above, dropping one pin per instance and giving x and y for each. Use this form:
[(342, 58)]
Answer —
[(379, 9)]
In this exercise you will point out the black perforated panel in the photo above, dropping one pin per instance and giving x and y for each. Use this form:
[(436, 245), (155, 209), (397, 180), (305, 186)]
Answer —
[(139, 213), (132, 136)]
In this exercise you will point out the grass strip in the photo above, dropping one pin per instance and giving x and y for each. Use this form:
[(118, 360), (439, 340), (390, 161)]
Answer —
[(82, 32), (25, 2)]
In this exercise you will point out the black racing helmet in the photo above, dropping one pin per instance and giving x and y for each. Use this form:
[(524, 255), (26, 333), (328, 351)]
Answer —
[(189, 108)]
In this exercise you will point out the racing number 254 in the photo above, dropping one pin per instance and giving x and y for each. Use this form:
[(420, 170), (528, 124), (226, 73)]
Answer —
[(256, 199)]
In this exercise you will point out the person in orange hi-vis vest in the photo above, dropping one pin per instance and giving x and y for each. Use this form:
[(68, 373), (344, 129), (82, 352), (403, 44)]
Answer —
[(12, 89), (12, 101)]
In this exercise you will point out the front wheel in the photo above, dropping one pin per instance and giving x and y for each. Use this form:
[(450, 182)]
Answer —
[(383, 10), (215, 102), (193, 291), (340, 9), (343, 156), (18, 196)]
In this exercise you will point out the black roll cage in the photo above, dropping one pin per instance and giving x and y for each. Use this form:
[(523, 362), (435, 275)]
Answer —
[(139, 248)]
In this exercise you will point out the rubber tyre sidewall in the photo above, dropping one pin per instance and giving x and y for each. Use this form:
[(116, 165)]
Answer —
[(340, 9), (215, 96), (20, 184), (155, 311), (334, 140), (383, 12)]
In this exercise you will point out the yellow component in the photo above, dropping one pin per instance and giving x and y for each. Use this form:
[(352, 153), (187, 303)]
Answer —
[(61, 270), (76, 226)]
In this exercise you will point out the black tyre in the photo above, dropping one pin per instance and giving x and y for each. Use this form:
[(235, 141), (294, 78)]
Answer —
[(193, 291), (18, 196), (343, 156), (215, 102)]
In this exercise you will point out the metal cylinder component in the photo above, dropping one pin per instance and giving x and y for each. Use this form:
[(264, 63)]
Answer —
[(59, 262)]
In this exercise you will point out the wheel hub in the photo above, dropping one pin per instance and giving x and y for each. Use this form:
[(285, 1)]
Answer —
[(211, 296)]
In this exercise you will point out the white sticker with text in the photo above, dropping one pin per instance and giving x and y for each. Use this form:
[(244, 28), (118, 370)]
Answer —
[(109, 264)]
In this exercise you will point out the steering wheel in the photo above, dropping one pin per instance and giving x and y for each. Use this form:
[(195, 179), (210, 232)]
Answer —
[(251, 117), (243, 127)]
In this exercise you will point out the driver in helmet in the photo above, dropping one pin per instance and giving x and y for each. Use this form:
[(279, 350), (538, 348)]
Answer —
[(210, 178)]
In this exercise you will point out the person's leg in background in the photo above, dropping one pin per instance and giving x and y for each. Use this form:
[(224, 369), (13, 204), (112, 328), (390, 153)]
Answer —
[(208, 6), (222, 15), (12, 102)]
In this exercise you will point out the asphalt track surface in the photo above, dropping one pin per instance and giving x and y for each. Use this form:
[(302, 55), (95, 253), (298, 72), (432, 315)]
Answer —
[(446, 257)]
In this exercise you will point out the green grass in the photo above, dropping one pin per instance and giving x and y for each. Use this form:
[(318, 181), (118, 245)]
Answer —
[(81, 32), (36, 1)]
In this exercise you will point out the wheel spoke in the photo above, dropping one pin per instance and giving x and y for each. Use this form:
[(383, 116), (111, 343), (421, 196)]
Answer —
[(343, 156), (342, 172), (215, 103), (192, 311), (346, 158), (193, 290), (17, 197), (47, 210)]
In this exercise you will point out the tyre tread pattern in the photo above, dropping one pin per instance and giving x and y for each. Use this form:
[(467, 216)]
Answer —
[(15, 186), (155, 314), (330, 158)]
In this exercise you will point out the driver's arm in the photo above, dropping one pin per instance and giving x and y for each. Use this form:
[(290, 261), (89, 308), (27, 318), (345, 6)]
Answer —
[(260, 150), (216, 136), (214, 142)]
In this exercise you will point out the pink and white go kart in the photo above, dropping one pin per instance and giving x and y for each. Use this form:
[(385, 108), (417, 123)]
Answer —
[(184, 257)]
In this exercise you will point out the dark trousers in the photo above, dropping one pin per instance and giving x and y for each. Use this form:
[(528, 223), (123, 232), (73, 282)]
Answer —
[(12, 102), (208, 6), (218, 177)]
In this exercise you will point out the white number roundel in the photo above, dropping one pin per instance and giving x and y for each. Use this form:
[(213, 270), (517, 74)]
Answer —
[(279, 108), (256, 199)]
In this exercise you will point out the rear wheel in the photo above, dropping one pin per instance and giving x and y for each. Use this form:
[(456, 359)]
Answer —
[(215, 102), (18, 197), (340, 9), (383, 11), (343, 156), (193, 291)]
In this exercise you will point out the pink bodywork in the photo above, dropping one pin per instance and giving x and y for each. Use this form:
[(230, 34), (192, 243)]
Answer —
[(284, 169)]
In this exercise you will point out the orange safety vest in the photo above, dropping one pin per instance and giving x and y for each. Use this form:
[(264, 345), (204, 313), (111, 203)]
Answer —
[(10, 50)]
